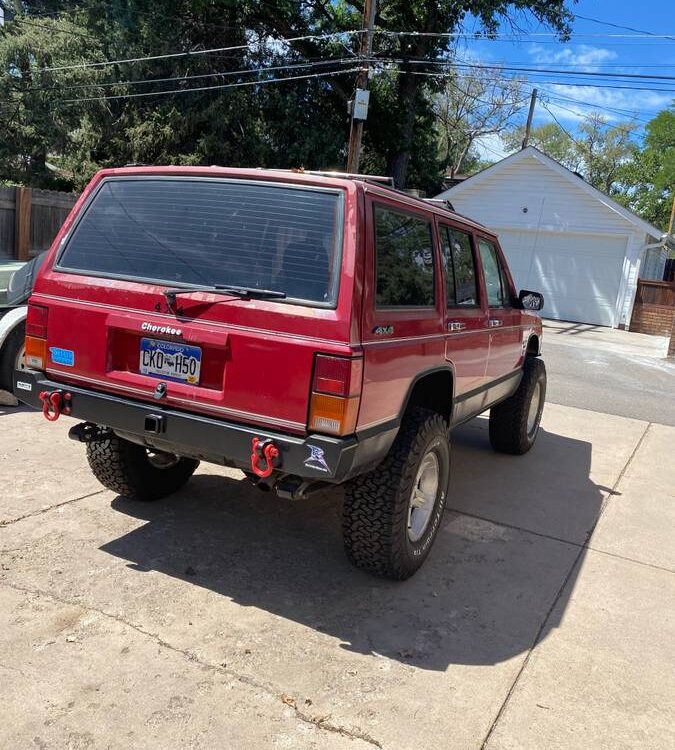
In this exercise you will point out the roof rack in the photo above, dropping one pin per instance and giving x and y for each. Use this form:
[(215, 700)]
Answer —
[(442, 202), (373, 178)]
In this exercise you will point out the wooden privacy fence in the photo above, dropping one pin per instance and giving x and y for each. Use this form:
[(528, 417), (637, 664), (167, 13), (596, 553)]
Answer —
[(654, 308), (30, 219)]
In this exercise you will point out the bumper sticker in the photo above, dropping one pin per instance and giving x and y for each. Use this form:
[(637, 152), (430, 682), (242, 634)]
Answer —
[(316, 459), (62, 356)]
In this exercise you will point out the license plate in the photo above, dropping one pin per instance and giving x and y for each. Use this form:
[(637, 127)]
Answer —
[(164, 359)]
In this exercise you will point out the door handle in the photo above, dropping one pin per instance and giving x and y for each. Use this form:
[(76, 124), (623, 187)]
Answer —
[(456, 325), (494, 323)]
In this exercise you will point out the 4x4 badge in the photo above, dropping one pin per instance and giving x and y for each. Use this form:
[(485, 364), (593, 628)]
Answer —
[(316, 459), (383, 330)]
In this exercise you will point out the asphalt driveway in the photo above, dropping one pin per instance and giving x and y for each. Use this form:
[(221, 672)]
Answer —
[(604, 369), (224, 617)]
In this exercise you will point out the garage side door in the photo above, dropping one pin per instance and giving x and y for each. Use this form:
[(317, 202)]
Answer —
[(578, 274)]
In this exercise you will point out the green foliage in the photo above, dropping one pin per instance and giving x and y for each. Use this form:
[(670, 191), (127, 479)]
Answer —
[(51, 140), (641, 176), (648, 179), (549, 138), (597, 153)]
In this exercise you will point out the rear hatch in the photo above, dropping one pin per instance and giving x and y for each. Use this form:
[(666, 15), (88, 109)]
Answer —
[(221, 284)]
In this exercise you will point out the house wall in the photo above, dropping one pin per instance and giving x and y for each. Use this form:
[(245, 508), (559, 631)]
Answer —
[(552, 202)]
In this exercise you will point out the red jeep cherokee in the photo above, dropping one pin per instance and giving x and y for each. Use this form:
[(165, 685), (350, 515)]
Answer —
[(308, 329)]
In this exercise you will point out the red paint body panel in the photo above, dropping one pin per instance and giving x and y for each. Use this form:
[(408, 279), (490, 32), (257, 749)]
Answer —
[(258, 355)]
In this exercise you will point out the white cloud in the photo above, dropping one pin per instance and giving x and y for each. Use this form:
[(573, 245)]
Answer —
[(582, 55), (637, 103)]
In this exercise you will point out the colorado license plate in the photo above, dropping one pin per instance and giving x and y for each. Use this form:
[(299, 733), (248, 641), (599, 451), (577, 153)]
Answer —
[(169, 361)]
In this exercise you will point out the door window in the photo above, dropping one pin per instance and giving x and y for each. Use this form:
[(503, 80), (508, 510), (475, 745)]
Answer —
[(404, 260), (460, 268), (495, 278)]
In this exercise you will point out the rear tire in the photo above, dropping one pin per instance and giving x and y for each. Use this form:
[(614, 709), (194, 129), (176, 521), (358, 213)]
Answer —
[(132, 471), (391, 515), (12, 355), (514, 423)]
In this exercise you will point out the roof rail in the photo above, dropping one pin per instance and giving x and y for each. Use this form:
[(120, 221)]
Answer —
[(442, 202), (374, 178)]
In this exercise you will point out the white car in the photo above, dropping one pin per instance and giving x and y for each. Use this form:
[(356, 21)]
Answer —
[(13, 321)]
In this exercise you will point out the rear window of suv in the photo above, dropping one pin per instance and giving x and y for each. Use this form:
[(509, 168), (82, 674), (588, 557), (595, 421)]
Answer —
[(211, 231)]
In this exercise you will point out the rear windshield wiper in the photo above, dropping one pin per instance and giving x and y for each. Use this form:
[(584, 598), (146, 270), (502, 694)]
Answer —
[(244, 292)]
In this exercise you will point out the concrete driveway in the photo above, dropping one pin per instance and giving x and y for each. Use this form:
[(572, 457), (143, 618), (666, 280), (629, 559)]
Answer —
[(224, 617)]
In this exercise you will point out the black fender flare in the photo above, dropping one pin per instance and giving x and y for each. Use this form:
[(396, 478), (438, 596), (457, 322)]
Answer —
[(448, 367)]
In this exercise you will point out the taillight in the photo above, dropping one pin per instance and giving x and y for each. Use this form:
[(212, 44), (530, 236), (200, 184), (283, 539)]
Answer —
[(36, 321), (336, 389), (36, 336), (36, 353)]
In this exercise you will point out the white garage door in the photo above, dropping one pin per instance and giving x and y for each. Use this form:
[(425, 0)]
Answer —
[(578, 274)]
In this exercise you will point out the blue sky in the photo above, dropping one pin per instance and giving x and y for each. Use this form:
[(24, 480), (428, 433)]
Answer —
[(594, 47)]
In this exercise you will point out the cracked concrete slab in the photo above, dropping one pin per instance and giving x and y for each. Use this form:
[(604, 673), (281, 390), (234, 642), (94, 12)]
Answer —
[(574, 464), (606, 678), (233, 576), (227, 581), (53, 470), (639, 522), (79, 672)]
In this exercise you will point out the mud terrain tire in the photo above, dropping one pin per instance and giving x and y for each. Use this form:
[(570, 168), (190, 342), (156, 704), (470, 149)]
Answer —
[(377, 516), (514, 423), (129, 470)]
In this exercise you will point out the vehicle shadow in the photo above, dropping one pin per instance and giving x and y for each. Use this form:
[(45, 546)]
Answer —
[(19, 409), (480, 599)]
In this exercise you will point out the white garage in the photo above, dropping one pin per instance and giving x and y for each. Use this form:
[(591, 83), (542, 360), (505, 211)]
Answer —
[(561, 236)]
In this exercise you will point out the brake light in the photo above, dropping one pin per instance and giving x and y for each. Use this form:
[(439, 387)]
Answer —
[(36, 336), (336, 390), (36, 321)]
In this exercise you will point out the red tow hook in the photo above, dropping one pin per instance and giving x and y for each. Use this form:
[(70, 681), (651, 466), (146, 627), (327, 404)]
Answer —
[(265, 450), (54, 404)]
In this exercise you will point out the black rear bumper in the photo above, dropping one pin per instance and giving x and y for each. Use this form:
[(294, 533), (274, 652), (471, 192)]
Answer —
[(315, 457)]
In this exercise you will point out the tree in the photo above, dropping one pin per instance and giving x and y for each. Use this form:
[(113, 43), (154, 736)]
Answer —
[(603, 149), (648, 180), (549, 138), (471, 106), (33, 126), (597, 153), (69, 117)]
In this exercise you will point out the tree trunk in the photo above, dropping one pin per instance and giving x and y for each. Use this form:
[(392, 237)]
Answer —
[(397, 166)]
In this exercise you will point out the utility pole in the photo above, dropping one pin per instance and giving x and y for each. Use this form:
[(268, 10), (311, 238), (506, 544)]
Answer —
[(358, 113), (530, 115)]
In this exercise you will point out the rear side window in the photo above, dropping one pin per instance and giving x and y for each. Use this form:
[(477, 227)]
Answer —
[(460, 268), (212, 231), (496, 284), (404, 260)]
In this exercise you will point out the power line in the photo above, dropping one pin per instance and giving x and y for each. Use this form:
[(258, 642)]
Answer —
[(554, 71), (216, 74), (456, 65), (564, 130), (619, 26), (517, 37), (52, 29), (441, 74), (195, 53), (258, 82), (552, 95)]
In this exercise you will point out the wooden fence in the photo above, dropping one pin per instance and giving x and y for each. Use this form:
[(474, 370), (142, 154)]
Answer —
[(654, 308), (30, 219)]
